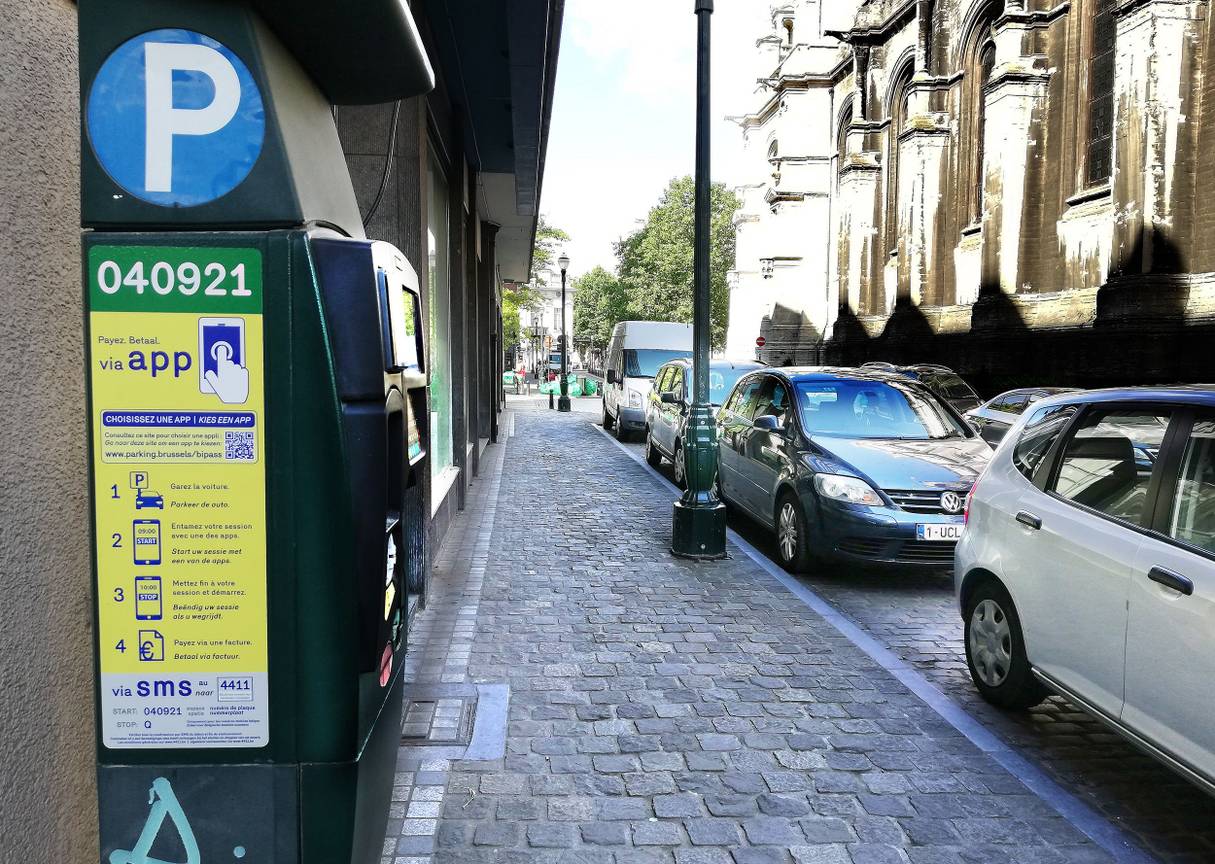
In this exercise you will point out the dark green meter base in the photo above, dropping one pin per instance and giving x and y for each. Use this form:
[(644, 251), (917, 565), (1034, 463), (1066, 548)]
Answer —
[(698, 531)]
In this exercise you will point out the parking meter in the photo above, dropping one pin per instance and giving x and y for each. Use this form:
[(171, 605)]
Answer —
[(253, 365)]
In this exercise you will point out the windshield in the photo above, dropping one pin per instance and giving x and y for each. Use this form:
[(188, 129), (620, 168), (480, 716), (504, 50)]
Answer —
[(721, 382), (645, 362), (946, 384), (873, 409)]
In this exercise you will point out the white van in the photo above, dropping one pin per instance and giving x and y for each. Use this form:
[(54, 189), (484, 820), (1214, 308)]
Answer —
[(636, 352)]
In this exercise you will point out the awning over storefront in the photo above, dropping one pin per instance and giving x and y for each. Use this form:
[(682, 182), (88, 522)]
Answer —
[(499, 58)]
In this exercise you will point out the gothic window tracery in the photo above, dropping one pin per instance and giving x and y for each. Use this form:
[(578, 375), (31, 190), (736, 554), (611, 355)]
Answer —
[(1100, 152)]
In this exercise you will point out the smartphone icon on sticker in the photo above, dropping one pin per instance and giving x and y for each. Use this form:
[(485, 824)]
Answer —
[(145, 540), (148, 604), (212, 333)]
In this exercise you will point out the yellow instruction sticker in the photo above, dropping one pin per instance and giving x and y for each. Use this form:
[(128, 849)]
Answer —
[(178, 416)]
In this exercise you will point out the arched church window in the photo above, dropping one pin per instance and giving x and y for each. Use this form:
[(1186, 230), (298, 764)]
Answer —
[(985, 66), (1100, 156), (841, 136), (900, 92)]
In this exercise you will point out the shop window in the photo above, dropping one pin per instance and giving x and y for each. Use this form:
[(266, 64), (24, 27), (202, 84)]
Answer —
[(439, 249)]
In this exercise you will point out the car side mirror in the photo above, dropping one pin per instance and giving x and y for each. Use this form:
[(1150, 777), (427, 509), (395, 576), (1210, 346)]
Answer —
[(769, 423), (669, 398)]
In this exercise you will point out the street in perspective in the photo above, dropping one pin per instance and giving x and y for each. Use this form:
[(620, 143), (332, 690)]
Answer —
[(556, 431)]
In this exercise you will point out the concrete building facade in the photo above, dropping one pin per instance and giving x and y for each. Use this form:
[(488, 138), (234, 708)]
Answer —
[(781, 285), (1018, 190)]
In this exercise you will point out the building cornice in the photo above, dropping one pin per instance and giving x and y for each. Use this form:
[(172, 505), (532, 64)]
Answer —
[(899, 17)]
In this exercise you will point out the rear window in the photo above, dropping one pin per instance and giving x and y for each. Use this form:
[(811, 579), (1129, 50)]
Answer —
[(722, 381), (947, 384), (1010, 403), (1040, 433), (645, 362)]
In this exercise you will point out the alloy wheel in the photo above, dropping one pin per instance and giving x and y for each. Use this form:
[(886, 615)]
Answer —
[(990, 643), (787, 531), (677, 466)]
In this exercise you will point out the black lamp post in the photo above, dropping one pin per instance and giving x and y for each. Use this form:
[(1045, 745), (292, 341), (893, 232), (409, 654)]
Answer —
[(537, 334), (563, 404), (699, 524)]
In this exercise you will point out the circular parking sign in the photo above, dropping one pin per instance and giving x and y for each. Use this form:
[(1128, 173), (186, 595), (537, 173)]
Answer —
[(175, 118)]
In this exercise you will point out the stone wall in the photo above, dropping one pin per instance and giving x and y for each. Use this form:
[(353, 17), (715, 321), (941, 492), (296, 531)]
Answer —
[(1014, 258), (47, 791)]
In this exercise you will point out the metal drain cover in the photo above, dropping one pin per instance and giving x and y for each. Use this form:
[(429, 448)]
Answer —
[(438, 721)]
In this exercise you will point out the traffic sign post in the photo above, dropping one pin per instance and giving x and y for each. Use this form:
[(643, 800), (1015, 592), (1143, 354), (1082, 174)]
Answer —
[(250, 627)]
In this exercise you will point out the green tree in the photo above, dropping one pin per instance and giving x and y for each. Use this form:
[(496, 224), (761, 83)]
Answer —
[(656, 259), (549, 241), (600, 302), (515, 299)]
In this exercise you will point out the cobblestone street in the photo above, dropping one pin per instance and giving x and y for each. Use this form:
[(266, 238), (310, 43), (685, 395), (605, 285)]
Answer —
[(667, 711), (914, 615)]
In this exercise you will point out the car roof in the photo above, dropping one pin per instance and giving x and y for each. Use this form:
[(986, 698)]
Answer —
[(795, 374), (910, 367), (1048, 390), (1178, 394), (720, 363)]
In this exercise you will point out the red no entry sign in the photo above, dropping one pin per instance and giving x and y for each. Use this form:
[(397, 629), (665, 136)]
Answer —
[(760, 342)]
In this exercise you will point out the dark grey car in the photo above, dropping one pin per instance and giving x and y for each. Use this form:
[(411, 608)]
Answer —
[(941, 380), (996, 416), (849, 464)]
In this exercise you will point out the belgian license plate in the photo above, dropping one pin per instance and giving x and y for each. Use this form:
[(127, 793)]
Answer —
[(949, 531)]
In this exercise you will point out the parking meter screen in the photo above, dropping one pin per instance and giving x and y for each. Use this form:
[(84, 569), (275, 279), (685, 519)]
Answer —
[(413, 315)]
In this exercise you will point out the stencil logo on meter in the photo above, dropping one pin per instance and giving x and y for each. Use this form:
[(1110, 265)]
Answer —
[(175, 118), (221, 349)]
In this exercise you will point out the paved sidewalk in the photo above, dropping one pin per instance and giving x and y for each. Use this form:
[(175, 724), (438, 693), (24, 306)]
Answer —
[(667, 712)]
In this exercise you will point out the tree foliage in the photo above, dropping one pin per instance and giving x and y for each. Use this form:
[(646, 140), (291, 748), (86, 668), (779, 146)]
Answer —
[(518, 297), (656, 259), (549, 239), (600, 300)]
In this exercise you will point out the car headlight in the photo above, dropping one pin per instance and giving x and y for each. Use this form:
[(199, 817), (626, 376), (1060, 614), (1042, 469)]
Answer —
[(850, 490), (634, 399)]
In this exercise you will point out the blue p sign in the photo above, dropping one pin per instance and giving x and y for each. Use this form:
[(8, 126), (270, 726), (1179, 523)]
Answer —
[(175, 118)]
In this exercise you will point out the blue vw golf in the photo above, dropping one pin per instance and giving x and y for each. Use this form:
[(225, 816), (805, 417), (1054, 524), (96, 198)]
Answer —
[(851, 464)]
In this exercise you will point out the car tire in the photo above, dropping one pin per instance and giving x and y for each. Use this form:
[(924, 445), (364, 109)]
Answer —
[(678, 469), (622, 434), (607, 418), (792, 535), (652, 457), (995, 649)]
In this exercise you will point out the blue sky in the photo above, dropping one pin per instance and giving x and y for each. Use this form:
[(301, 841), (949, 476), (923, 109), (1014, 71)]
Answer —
[(623, 118)]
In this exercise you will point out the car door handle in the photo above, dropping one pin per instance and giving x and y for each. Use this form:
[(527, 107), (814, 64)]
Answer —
[(1029, 520), (1172, 580)]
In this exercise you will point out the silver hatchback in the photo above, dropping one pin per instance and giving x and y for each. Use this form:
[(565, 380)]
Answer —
[(1088, 567)]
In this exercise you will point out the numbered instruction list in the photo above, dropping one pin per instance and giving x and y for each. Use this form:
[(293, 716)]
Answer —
[(178, 407)]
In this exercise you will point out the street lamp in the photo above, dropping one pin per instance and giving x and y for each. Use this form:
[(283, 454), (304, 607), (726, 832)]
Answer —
[(537, 335), (563, 404), (698, 528)]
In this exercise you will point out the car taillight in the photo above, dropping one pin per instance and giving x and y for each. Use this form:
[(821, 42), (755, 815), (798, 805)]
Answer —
[(966, 508)]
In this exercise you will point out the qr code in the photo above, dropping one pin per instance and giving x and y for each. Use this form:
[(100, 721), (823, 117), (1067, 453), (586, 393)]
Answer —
[(238, 447)]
